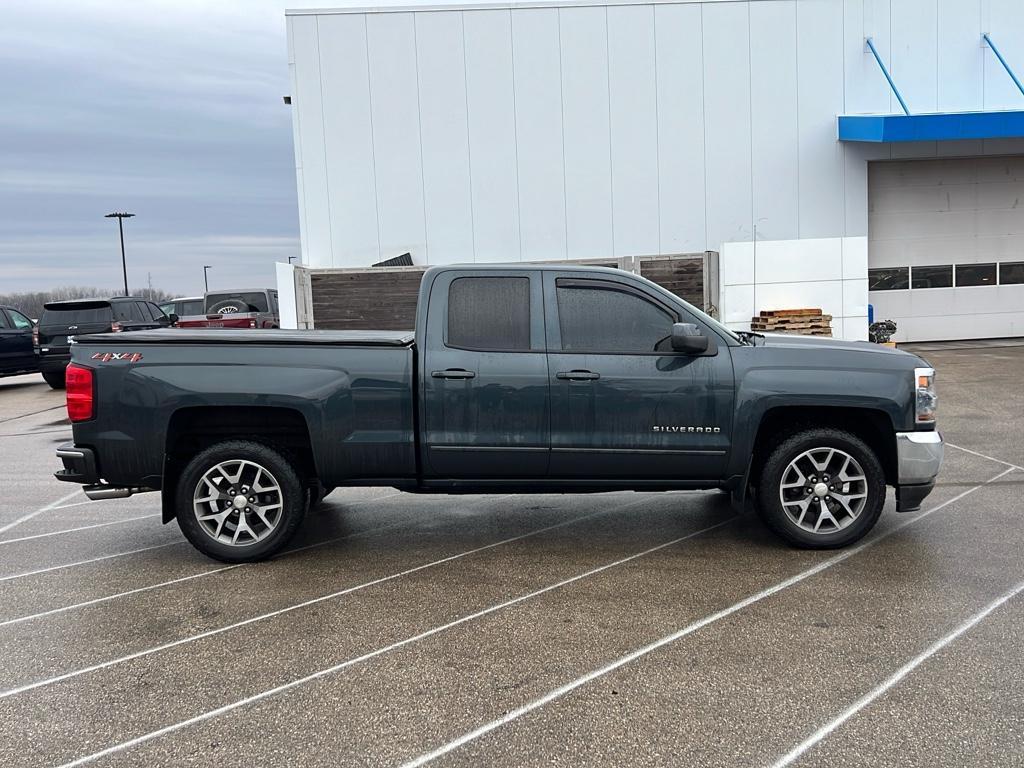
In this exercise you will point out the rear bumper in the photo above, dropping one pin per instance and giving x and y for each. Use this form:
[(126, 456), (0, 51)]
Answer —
[(79, 465), (919, 457), (51, 362)]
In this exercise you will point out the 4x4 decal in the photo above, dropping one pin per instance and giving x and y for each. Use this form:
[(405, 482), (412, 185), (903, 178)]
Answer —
[(106, 357)]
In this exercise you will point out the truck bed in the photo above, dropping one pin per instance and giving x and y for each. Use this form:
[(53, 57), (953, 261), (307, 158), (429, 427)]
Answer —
[(263, 336)]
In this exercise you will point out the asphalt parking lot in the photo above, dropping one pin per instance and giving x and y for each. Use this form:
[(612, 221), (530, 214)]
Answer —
[(640, 629)]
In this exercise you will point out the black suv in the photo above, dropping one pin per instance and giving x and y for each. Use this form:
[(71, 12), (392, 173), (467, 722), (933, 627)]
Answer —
[(17, 351), (63, 319)]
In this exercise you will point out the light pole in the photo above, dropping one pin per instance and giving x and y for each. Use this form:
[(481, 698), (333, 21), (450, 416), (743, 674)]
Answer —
[(121, 216), (206, 282)]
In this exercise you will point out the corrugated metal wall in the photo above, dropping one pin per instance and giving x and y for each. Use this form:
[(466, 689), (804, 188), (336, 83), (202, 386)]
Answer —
[(574, 132)]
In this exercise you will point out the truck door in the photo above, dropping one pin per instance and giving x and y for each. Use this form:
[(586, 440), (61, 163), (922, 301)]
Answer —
[(485, 376), (623, 404)]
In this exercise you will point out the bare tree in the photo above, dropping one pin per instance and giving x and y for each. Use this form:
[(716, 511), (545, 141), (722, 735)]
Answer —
[(31, 303)]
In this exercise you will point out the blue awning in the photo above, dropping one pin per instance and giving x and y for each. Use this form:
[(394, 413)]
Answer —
[(936, 126)]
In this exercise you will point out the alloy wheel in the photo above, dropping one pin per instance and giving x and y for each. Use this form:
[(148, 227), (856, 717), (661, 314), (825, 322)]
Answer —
[(823, 490)]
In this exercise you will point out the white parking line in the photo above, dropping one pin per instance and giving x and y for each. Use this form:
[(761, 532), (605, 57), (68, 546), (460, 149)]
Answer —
[(984, 456), (380, 651), (79, 528), (798, 751), (47, 508), (137, 590), (38, 571), (304, 604), (286, 553), (622, 661)]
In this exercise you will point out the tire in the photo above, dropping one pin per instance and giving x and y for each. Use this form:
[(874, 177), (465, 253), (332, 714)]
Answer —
[(253, 467), (55, 379), (853, 494)]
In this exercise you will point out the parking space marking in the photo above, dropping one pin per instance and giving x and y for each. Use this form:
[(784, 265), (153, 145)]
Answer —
[(79, 528), (47, 508), (622, 661), (798, 751), (984, 456), (213, 713), (32, 413), (108, 598), (137, 590), (38, 571), (305, 604)]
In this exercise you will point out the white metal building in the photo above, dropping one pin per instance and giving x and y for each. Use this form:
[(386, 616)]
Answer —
[(508, 131)]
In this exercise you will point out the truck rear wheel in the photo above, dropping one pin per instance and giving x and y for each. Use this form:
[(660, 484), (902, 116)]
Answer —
[(240, 501), (55, 379), (821, 489)]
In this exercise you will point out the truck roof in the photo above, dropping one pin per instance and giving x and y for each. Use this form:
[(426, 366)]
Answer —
[(263, 336)]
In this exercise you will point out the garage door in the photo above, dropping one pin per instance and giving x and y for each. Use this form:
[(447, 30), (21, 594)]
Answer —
[(946, 247)]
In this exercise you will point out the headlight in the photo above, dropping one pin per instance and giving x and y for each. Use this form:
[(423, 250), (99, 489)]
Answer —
[(925, 399)]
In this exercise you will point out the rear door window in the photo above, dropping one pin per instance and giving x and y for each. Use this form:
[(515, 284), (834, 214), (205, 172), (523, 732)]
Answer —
[(4, 324), (489, 314)]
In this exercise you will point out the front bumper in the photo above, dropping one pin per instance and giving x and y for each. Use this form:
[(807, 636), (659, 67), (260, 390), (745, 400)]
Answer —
[(919, 457)]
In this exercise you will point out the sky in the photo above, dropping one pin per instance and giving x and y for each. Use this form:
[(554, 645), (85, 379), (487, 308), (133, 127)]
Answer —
[(169, 109)]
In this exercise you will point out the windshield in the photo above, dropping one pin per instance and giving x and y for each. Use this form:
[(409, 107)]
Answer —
[(231, 303)]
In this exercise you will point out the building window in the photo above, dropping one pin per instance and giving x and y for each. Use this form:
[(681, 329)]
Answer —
[(975, 274), (931, 277), (1011, 273), (889, 279), (489, 313)]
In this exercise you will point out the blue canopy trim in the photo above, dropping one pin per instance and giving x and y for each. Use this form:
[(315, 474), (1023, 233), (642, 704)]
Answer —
[(936, 126)]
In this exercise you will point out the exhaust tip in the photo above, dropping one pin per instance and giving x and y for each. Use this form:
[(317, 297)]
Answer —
[(100, 492)]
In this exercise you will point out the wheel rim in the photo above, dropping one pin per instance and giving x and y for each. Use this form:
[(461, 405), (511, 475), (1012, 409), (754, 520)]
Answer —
[(823, 490), (238, 503)]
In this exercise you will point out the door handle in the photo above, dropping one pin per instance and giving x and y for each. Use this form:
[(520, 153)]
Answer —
[(577, 375), (453, 373)]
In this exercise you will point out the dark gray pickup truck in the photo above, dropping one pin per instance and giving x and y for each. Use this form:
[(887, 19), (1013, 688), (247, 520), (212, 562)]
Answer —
[(517, 379)]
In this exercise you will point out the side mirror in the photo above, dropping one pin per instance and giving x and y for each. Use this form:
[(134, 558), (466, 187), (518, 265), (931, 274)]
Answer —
[(172, 319), (687, 338)]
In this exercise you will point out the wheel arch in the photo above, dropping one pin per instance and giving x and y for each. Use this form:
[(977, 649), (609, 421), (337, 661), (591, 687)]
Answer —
[(192, 429), (871, 425)]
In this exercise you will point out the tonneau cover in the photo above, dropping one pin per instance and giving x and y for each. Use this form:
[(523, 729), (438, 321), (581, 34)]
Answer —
[(254, 336)]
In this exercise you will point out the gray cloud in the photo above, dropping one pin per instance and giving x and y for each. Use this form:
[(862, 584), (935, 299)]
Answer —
[(170, 109)]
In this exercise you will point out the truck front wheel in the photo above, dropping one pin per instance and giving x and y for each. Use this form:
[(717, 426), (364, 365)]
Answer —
[(821, 489), (240, 501)]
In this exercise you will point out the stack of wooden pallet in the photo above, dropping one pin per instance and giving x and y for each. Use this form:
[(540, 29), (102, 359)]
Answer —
[(809, 322)]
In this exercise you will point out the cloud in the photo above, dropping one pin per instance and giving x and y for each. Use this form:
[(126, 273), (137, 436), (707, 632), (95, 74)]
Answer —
[(170, 109)]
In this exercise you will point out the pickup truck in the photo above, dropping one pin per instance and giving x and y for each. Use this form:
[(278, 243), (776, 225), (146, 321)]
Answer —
[(237, 309), (517, 379)]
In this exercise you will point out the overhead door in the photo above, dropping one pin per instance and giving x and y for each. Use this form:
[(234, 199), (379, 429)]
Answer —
[(946, 247)]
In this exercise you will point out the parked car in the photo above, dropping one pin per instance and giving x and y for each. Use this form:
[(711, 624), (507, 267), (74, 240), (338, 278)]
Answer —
[(187, 307), (238, 309), (18, 352), (61, 320), (518, 378)]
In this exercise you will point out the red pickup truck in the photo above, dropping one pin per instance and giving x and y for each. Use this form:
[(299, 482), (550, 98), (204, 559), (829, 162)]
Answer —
[(238, 309)]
